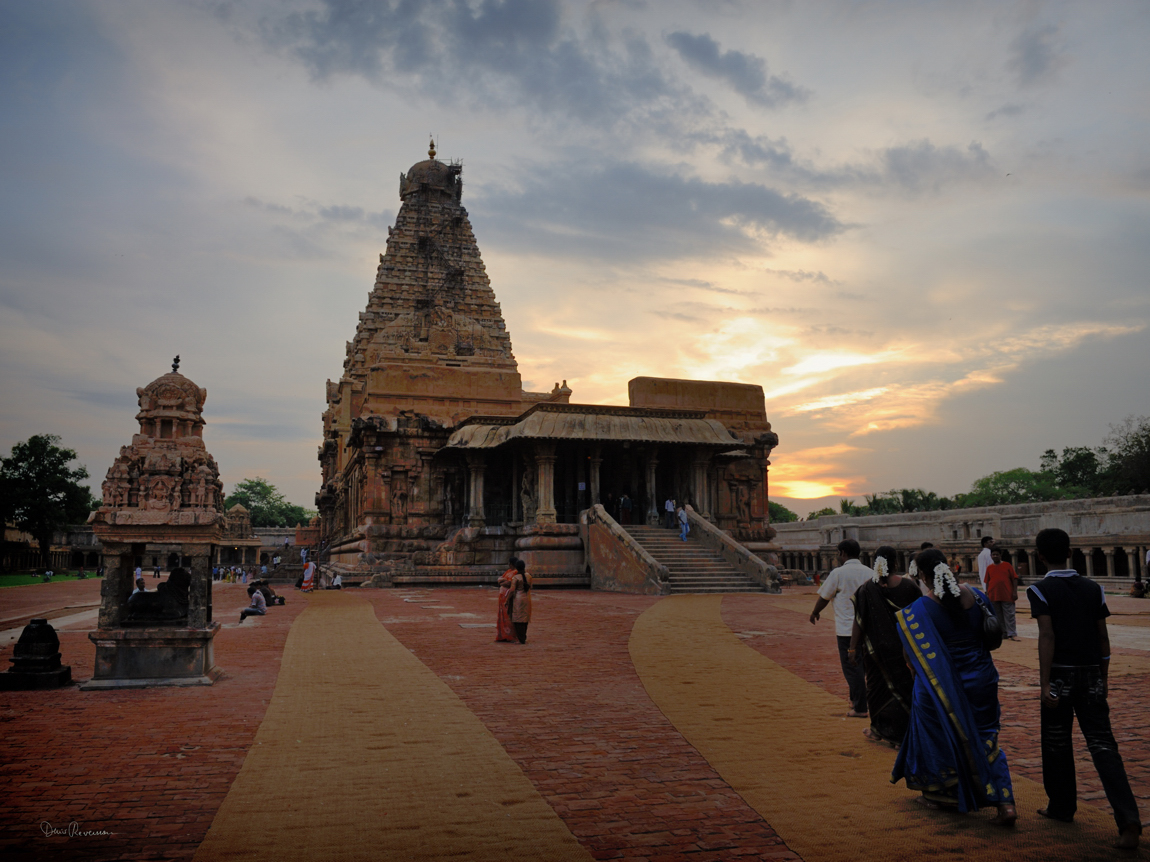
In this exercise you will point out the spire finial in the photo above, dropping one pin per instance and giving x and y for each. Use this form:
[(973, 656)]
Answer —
[(431, 147), (176, 364)]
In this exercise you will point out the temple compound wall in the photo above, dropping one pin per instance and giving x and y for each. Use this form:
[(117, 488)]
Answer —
[(434, 457), (1109, 535)]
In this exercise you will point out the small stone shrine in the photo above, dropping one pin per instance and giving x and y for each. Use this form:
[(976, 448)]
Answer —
[(163, 490), (36, 660)]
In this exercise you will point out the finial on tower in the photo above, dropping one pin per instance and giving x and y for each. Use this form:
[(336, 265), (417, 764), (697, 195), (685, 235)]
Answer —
[(176, 364), (431, 148)]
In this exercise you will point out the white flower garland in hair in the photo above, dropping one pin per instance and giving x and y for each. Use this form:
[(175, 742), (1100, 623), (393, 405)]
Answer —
[(912, 570), (880, 569), (944, 581)]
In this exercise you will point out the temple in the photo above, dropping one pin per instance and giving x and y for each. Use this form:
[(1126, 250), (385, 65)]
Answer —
[(436, 463)]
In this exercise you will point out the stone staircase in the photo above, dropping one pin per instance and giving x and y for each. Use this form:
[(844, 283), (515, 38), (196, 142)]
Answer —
[(693, 568)]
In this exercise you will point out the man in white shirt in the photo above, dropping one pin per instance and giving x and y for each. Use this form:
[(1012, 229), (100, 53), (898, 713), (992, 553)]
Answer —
[(839, 588), (985, 560), (669, 513)]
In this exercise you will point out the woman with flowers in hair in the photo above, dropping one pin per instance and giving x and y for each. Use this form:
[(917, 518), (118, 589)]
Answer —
[(875, 641), (950, 753)]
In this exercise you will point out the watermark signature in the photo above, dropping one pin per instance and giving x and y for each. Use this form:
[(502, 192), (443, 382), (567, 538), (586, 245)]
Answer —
[(72, 830)]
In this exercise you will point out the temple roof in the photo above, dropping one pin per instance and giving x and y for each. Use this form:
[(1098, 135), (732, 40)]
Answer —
[(595, 422)]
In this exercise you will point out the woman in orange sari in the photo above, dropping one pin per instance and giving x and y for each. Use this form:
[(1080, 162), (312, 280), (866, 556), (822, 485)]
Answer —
[(504, 631)]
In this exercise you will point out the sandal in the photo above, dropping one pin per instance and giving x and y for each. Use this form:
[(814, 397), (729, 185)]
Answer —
[(1006, 816), (874, 737), (853, 714), (1045, 812)]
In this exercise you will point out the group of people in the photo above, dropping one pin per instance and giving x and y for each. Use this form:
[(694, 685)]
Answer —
[(313, 578), (514, 611), (929, 686), (262, 597)]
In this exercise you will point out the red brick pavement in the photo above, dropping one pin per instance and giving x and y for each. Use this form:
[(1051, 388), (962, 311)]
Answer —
[(20, 604), (571, 711), (811, 652), (151, 766)]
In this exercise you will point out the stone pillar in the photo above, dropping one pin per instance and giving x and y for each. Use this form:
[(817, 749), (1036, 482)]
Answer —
[(117, 585), (1130, 563), (595, 462), (699, 465), (1089, 554), (1109, 552), (649, 464), (1032, 563), (475, 467), (200, 590), (545, 483)]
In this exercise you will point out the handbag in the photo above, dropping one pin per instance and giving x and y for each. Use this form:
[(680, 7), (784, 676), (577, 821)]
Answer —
[(991, 627)]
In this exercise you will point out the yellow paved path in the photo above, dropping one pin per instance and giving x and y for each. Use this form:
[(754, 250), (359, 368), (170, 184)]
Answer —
[(784, 746), (364, 753)]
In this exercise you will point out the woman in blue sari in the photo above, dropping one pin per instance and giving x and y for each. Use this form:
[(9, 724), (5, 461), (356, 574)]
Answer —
[(950, 752)]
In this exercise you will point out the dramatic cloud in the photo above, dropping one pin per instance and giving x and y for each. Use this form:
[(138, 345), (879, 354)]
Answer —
[(630, 211), (745, 73), (511, 54), (1035, 57)]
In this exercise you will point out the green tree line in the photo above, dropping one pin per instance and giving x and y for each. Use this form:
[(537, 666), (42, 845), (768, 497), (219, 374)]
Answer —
[(1120, 466)]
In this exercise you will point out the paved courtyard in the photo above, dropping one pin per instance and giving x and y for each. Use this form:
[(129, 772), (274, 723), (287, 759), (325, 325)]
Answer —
[(675, 729)]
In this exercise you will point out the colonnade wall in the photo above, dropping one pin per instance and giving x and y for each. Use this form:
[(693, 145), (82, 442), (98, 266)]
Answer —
[(1109, 536)]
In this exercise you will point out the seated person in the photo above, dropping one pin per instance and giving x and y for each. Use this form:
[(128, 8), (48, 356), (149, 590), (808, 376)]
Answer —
[(270, 595), (259, 605), (336, 583), (1138, 590), (168, 604), (140, 587)]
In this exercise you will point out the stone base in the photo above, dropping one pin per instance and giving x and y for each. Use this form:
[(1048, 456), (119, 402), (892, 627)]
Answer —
[(15, 680), (151, 657)]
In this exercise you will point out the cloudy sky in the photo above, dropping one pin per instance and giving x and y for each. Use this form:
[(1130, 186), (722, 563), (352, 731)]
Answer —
[(922, 228)]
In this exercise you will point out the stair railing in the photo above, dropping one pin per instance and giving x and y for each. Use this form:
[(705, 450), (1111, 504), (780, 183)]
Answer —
[(617, 561), (712, 537)]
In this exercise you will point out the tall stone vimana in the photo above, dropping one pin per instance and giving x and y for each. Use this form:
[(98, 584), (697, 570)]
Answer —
[(437, 465)]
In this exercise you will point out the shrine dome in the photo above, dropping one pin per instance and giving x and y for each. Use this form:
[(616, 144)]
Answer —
[(171, 406), (431, 175)]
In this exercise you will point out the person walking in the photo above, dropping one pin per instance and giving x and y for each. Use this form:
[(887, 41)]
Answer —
[(875, 641), (950, 752), (985, 560), (1002, 590), (519, 601), (669, 513), (839, 587), (684, 523), (1073, 660), (504, 630)]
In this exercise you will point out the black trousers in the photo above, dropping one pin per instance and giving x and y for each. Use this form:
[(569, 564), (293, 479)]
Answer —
[(856, 682), (1082, 696), (521, 632)]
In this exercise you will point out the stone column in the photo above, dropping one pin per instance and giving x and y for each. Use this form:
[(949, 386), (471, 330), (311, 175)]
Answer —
[(1089, 554), (595, 462), (117, 585), (545, 483), (200, 591), (699, 464), (475, 467), (1032, 564), (1109, 552), (650, 462), (1131, 562)]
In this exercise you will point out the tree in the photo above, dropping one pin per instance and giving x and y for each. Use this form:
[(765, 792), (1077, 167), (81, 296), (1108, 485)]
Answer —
[(266, 504), (826, 510), (39, 492), (1129, 448), (1013, 486), (780, 513)]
